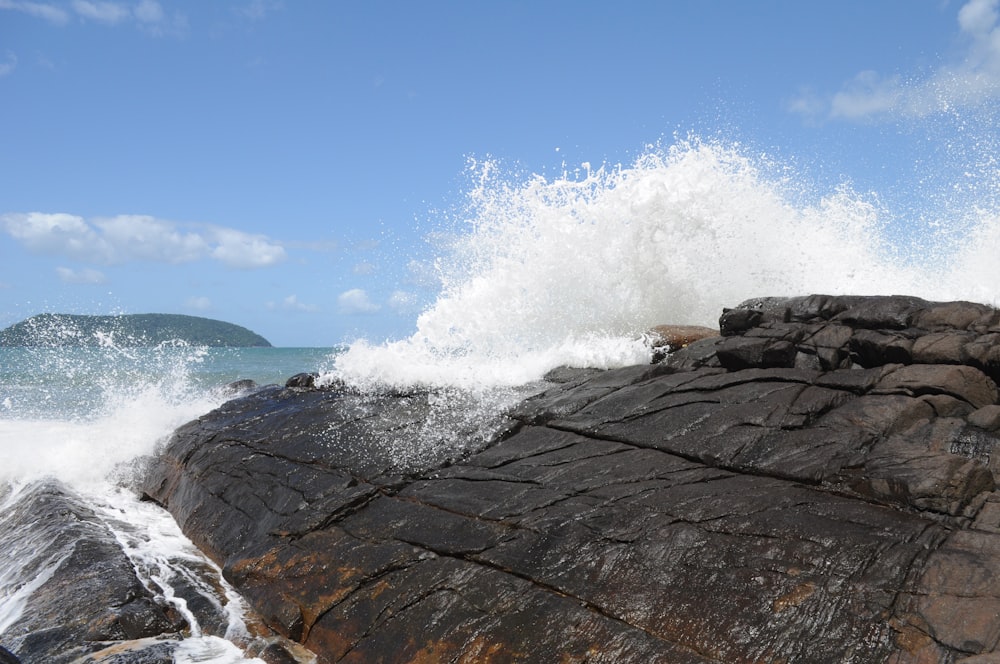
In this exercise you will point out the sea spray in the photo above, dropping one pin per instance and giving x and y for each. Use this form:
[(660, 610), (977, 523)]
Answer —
[(77, 414), (572, 270), (77, 422)]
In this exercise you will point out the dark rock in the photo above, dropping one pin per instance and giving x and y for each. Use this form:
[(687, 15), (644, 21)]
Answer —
[(85, 578), (737, 353), (741, 319), (882, 313), (71, 595), (874, 348), (568, 374), (305, 380), (239, 386), (143, 618), (142, 651), (987, 417), (7, 657), (817, 485)]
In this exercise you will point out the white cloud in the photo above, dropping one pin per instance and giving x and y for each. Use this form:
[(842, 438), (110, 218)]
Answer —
[(104, 12), (256, 10), (43, 10), (291, 303), (144, 238), (149, 11), (61, 234), (356, 301), (127, 238), (198, 303), (148, 15), (866, 95), (9, 63), (970, 80), (242, 250), (978, 16), (84, 276), (151, 18)]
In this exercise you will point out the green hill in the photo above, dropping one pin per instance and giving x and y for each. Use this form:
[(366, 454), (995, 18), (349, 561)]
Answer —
[(127, 330)]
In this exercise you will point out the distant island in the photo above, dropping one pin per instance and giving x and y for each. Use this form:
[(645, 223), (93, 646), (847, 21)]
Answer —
[(127, 330)]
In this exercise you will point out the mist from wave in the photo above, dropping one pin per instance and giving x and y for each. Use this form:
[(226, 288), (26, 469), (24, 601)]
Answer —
[(78, 422), (542, 272)]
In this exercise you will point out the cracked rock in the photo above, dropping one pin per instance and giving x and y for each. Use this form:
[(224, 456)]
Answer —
[(816, 485)]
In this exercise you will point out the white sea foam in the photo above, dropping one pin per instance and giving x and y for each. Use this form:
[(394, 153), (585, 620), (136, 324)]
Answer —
[(165, 560), (83, 416), (571, 270), (80, 422)]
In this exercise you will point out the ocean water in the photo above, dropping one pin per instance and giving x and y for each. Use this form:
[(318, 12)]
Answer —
[(534, 272), (85, 417)]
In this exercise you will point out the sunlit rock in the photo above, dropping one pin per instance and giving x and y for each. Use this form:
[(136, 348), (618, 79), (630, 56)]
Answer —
[(816, 484)]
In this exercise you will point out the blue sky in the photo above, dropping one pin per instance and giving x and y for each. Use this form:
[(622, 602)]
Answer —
[(281, 164)]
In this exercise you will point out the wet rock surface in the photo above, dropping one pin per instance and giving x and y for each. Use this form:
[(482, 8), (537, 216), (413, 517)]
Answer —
[(816, 485), (73, 595), (80, 593)]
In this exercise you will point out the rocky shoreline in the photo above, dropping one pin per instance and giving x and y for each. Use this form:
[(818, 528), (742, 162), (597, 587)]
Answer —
[(818, 484)]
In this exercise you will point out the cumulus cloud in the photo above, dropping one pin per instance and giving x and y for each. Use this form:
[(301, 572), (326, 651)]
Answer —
[(356, 301), (198, 303), (144, 238), (84, 276), (292, 303), (43, 10), (61, 234), (128, 238), (242, 250), (972, 79)]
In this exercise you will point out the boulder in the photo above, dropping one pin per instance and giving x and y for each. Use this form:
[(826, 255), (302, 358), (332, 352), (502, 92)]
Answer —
[(302, 380), (818, 484), (664, 339), (238, 387)]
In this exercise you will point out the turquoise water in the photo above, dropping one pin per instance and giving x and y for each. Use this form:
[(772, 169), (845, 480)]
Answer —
[(84, 383)]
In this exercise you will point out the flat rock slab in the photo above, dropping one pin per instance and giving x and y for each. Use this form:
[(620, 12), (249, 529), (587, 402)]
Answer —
[(816, 485)]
